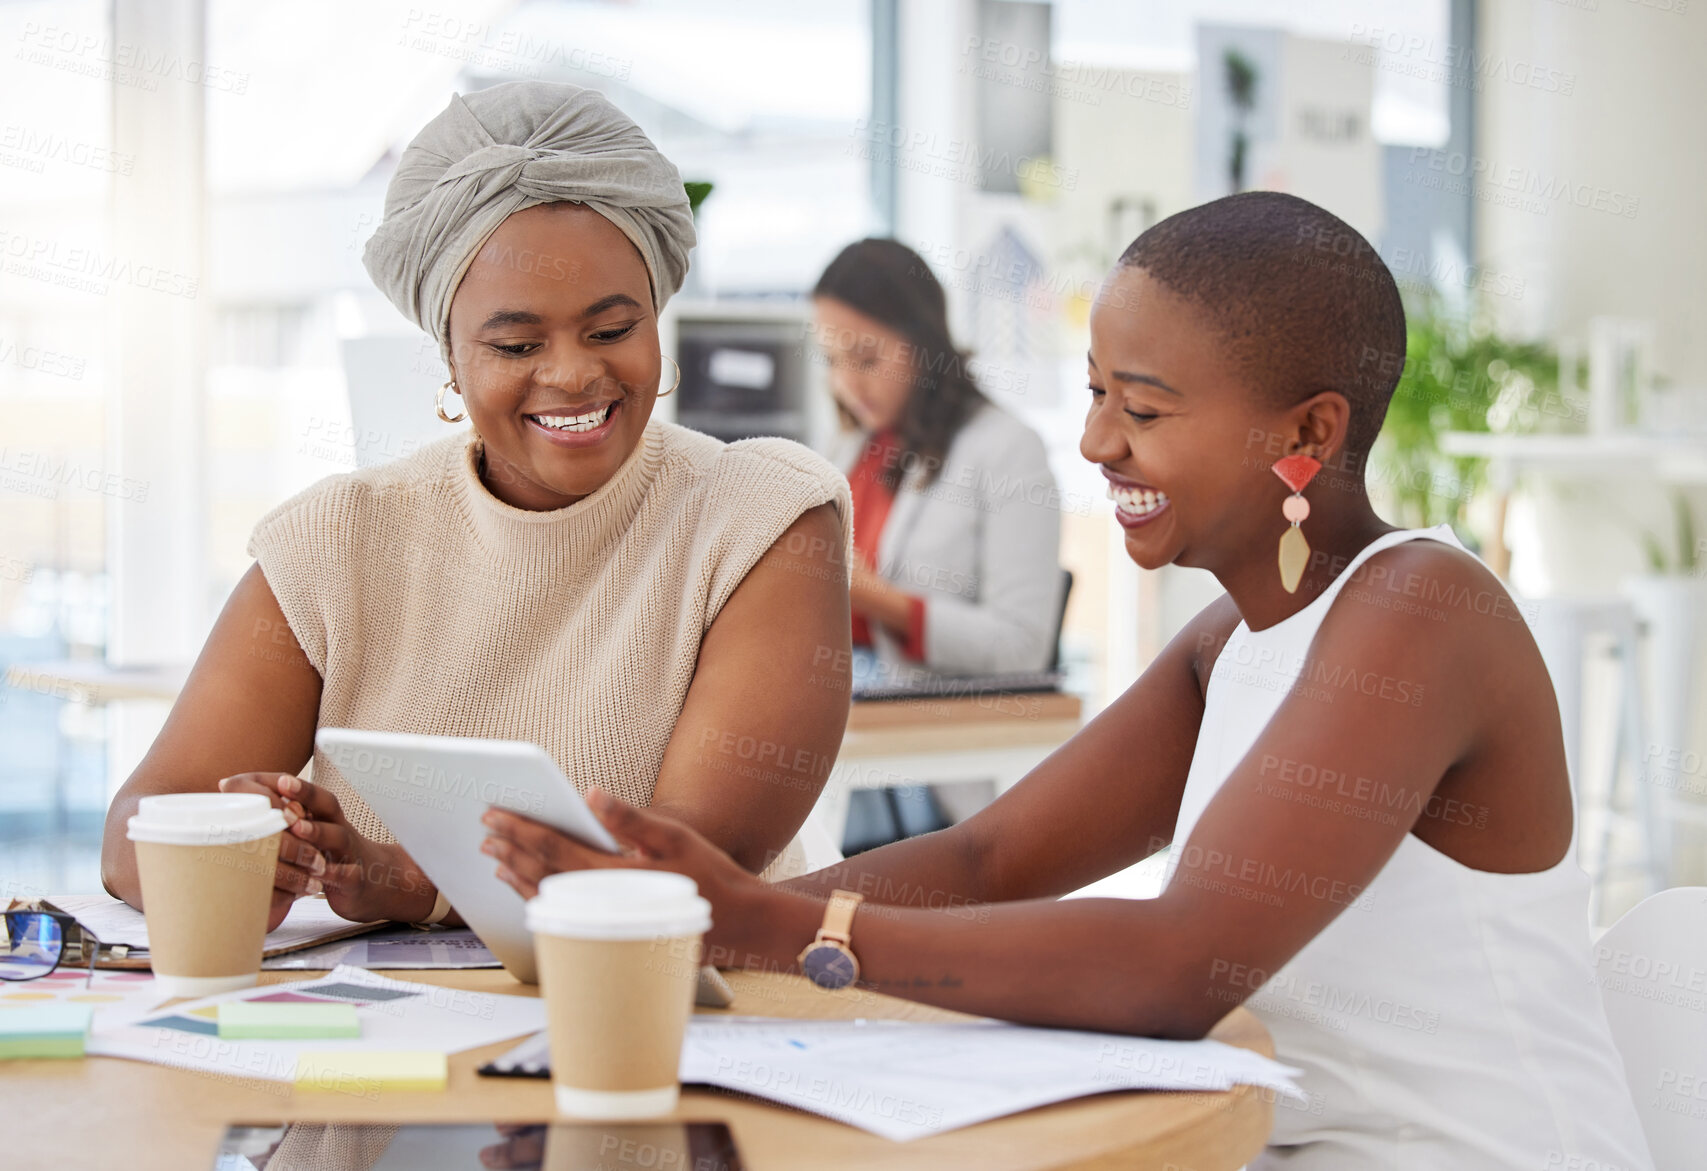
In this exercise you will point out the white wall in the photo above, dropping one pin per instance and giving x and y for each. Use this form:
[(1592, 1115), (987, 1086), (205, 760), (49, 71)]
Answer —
[(1589, 138), (1611, 116)]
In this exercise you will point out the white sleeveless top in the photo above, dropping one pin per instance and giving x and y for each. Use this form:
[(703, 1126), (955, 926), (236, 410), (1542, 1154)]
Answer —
[(1448, 1017)]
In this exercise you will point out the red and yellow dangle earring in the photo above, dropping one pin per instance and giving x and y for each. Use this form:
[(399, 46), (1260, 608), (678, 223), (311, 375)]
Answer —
[(1295, 471)]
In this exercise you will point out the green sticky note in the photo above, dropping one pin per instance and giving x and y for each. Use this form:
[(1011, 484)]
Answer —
[(250, 1020), (365, 1072), (47, 1030)]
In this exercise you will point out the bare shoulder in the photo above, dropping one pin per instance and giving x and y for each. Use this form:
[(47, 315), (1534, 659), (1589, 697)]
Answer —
[(1430, 622), (1426, 600), (1433, 581)]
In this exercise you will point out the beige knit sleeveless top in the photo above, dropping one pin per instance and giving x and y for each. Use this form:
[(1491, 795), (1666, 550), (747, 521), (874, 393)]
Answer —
[(430, 606)]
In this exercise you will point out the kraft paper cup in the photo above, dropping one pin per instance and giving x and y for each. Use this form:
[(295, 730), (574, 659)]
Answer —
[(206, 864), (618, 955)]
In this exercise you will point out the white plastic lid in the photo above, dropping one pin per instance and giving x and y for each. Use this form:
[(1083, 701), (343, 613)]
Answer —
[(204, 819), (618, 904)]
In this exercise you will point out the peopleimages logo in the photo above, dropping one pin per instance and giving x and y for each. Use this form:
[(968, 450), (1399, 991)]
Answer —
[(1028, 67), (947, 157), (37, 147), (1423, 57), (84, 269), (1526, 182), (121, 62), (42, 474), (1642, 967), (52, 363), (1259, 880)]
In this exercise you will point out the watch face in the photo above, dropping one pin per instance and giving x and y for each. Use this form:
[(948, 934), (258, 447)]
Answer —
[(829, 966)]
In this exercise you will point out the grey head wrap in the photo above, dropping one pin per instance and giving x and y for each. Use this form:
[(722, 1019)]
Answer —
[(514, 146)]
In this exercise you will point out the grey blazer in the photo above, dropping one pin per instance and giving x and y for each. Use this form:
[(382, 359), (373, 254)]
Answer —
[(981, 545)]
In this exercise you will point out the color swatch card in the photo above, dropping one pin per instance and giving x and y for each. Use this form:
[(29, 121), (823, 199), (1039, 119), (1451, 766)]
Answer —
[(45, 1030), (392, 1017), (273, 1020), (114, 995)]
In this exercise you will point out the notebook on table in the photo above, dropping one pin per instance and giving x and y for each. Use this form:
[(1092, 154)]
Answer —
[(123, 931)]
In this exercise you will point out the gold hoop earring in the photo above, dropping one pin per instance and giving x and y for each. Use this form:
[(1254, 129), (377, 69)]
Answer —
[(439, 403), (677, 382)]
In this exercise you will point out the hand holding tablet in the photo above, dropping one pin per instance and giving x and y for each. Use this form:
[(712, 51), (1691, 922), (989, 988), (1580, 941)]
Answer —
[(431, 792)]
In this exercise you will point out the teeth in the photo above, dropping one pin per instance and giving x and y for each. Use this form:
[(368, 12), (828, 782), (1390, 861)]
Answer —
[(586, 422), (1136, 501)]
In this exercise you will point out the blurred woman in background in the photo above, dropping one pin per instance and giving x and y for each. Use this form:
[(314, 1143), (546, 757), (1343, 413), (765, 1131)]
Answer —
[(956, 518)]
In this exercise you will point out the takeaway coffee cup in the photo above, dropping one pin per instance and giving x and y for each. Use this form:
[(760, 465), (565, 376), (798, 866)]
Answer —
[(618, 955), (206, 864)]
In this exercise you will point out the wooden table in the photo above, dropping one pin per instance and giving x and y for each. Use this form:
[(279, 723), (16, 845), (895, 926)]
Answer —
[(112, 1113)]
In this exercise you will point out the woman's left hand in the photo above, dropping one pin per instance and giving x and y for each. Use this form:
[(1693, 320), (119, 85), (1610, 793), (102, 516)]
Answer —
[(364, 880), (878, 599), (864, 584), (527, 851)]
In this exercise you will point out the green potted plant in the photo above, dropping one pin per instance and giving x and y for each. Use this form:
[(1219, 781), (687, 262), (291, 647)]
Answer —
[(1240, 74), (1459, 376)]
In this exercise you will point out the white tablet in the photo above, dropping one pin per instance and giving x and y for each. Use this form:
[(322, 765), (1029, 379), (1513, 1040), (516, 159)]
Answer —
[(430, 791)]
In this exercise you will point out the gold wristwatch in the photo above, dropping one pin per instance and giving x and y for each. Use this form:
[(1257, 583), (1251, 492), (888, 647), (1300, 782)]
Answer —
[(828, 961)]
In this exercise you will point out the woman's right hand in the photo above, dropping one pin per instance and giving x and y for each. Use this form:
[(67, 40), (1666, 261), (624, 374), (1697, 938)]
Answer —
[(527, 851), (300, 865)]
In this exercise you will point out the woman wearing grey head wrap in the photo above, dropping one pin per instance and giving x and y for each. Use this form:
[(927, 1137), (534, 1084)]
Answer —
[(536, 191), (512, 147), (665, 614)]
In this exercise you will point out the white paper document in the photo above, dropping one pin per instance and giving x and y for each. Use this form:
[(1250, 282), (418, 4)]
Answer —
[(118, 923), (904, 1080), (394, 1015)]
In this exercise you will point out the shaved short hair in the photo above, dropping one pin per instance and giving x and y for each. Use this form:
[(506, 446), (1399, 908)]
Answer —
[(1300, 299)]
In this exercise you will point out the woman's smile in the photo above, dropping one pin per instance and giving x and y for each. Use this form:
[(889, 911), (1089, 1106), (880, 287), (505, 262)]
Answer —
[(559, 371), (583, 426), (1135, 504)]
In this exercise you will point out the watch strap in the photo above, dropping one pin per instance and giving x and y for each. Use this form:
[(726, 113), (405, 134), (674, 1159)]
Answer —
[(838, 916), (441, 909)]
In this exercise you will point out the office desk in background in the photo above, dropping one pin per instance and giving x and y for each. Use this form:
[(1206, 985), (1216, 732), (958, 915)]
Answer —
[(92, 681), (111, 1113), (993, 736)]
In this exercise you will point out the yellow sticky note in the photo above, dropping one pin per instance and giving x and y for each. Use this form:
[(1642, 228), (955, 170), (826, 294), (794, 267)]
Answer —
[(366, 1072)]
